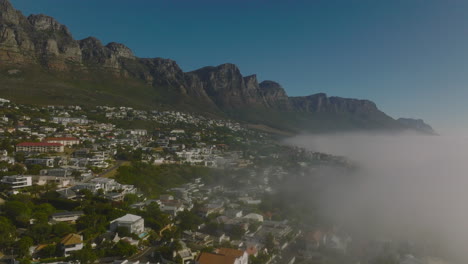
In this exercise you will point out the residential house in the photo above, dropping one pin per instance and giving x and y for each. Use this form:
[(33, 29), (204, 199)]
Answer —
[(70, 243), (93, 187), (48, 162), (67, 193), (59, 181), (172, 207), (197, 238), (134, 223), (69, 217), (17, 181)]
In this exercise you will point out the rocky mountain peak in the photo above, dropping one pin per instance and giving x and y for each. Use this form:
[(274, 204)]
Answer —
[(5, 5), (272, 88), (120, 50), (270, 85), (251, 82), (251, 78), (8, 14), (90, 42), (228, 67), (43, 23)]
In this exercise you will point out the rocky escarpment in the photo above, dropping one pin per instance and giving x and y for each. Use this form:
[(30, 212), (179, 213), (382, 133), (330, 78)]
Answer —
[(417, 124), (41, 41)]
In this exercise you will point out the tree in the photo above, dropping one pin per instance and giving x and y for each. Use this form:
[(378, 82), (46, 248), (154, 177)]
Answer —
[(261, 258), (22, 246), (155, 218), (35, 169), (270, 242), (93, 225), (18, 211), (254, 226), (123, 249), (189, 220), (40, 232), (131, 198), (49, 251), (85, 256), (43, 211), (237, 232), (62, 229), (20, 157), (7, 232), (212, 228)]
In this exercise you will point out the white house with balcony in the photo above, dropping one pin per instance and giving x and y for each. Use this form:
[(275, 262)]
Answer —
[(17, 181)]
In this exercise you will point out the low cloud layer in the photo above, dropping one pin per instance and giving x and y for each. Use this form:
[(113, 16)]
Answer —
[(409, 187)]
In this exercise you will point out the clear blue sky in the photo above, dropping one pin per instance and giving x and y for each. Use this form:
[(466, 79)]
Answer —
[(409, 56)]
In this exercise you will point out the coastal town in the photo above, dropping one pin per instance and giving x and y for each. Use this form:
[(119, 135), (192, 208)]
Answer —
[(120, 185)]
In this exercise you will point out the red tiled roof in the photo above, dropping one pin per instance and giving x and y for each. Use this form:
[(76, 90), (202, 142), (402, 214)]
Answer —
[(38, 144), (60, 138), (210, 258), (230, 252)]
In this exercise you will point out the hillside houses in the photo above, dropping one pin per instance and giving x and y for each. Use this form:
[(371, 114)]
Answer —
[(81, 183)]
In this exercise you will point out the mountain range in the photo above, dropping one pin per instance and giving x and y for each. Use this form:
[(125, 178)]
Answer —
[(41, 63)]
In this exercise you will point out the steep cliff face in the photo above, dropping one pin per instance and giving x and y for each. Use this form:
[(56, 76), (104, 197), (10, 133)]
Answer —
[(322, 103), (225, 86), (417, 124), (43, 42), (15, 43), (275, 96)]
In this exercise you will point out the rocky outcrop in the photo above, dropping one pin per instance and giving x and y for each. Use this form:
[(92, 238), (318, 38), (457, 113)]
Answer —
[(120, 50), (46, 23)]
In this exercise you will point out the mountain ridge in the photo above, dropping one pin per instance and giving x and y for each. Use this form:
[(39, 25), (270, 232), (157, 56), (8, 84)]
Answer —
[(42, 48)]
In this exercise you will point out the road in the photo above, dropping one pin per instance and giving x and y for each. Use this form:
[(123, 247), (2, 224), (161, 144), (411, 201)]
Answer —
[(143, 256)]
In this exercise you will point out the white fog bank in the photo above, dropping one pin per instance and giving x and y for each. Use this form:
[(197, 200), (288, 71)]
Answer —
[(409, 187)]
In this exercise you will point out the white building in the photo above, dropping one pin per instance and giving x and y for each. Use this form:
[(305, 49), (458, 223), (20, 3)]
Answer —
[(66, 141), (66, 120), (39, 147), (138, 132), (17, 181), (134, 223)]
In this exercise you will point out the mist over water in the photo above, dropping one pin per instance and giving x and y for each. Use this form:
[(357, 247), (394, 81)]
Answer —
[(408, 187)]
